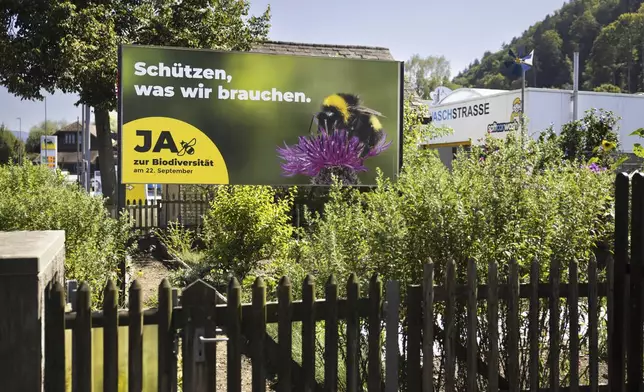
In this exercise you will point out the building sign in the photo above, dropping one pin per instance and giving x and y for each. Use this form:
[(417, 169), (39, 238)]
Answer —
[(207, 117), (135, 192), (480, 109), (49, 151), (511, 125)]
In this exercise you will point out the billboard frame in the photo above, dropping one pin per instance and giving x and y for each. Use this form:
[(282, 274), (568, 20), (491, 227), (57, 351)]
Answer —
[(401, 99)]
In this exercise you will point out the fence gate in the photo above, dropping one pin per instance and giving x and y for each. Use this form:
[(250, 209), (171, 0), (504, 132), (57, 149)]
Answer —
[(200, 338)]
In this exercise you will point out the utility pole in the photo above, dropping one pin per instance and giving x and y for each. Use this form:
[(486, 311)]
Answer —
[(20, 133), (575, 88), (630, 64), (46, 134), (78, 160), (87, 146), (83, 142)]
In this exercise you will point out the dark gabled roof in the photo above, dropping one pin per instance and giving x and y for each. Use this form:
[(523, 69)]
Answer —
[(323, 50), (76, 127)]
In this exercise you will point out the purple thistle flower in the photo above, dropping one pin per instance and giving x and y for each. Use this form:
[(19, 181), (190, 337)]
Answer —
[(312, 154), (595, 168)]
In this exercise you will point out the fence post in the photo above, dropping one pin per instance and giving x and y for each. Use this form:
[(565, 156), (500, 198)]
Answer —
[(199, 355), (29, 262), (616, 312)]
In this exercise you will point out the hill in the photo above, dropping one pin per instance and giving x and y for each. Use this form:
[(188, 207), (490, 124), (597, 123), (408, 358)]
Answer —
[(609, 35)]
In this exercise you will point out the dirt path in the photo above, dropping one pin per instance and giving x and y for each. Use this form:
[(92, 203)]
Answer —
[(150, 272)]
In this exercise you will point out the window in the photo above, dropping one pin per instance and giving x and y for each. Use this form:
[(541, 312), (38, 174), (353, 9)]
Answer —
[(70, 138)]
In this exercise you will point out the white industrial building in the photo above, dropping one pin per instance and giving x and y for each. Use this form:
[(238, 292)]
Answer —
[(473, 113)]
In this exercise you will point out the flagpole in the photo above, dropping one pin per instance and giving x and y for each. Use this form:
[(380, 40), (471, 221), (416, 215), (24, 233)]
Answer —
[(522, 96)]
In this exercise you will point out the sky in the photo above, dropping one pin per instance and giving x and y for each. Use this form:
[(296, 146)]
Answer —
[(460, 30)]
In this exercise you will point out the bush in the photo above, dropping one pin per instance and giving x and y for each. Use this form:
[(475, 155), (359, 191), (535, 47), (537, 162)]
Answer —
[(592, 139), (509, 198), (246, 232), (513, 198), (33, 197)]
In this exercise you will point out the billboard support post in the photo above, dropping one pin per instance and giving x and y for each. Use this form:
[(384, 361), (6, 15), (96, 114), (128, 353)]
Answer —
[(120, 187)]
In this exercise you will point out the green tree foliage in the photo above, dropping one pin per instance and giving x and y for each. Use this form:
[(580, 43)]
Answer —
[(607, 88), (33, 197), (593, 139), (11, 148), (607, 33), (44, 128), (618, 55), (638, 149), (427, 73), (71, 45)]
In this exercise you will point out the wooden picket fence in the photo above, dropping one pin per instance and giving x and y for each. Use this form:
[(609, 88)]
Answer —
[(245, 327), (431, 313), (158, 213)]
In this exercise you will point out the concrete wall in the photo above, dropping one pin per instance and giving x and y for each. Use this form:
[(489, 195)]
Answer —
[(29, 261)]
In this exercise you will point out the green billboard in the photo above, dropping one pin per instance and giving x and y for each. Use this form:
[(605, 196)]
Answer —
[(192, 116)]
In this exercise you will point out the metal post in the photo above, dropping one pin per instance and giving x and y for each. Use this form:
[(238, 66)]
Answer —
[(78, 160), (46, 133), (87, 149), (522, 97), (575, 83), (81, 173), (20, 133)]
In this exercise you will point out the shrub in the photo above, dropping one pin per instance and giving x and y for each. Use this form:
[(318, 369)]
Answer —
[(246, 231), (592, 139), (513, 198), (508, 198), (33, 197)]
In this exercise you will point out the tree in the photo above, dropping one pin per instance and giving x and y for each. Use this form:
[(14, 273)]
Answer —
[(71, 45), (608, 88), (617, 49), (113, 121), (11, 148), (495, 81), (576, 26), (552, 65), (44, 128), (427, 73)]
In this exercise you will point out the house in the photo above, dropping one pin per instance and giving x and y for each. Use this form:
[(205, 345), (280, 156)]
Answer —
[(70, 153)]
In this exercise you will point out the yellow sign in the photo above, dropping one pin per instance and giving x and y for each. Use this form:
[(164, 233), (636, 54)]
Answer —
[(516, 110), (47, 145), (163, 150), (135, 192), (49, 151)]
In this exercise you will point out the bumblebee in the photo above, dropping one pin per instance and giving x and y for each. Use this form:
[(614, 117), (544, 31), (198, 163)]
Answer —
[(345, 111)]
